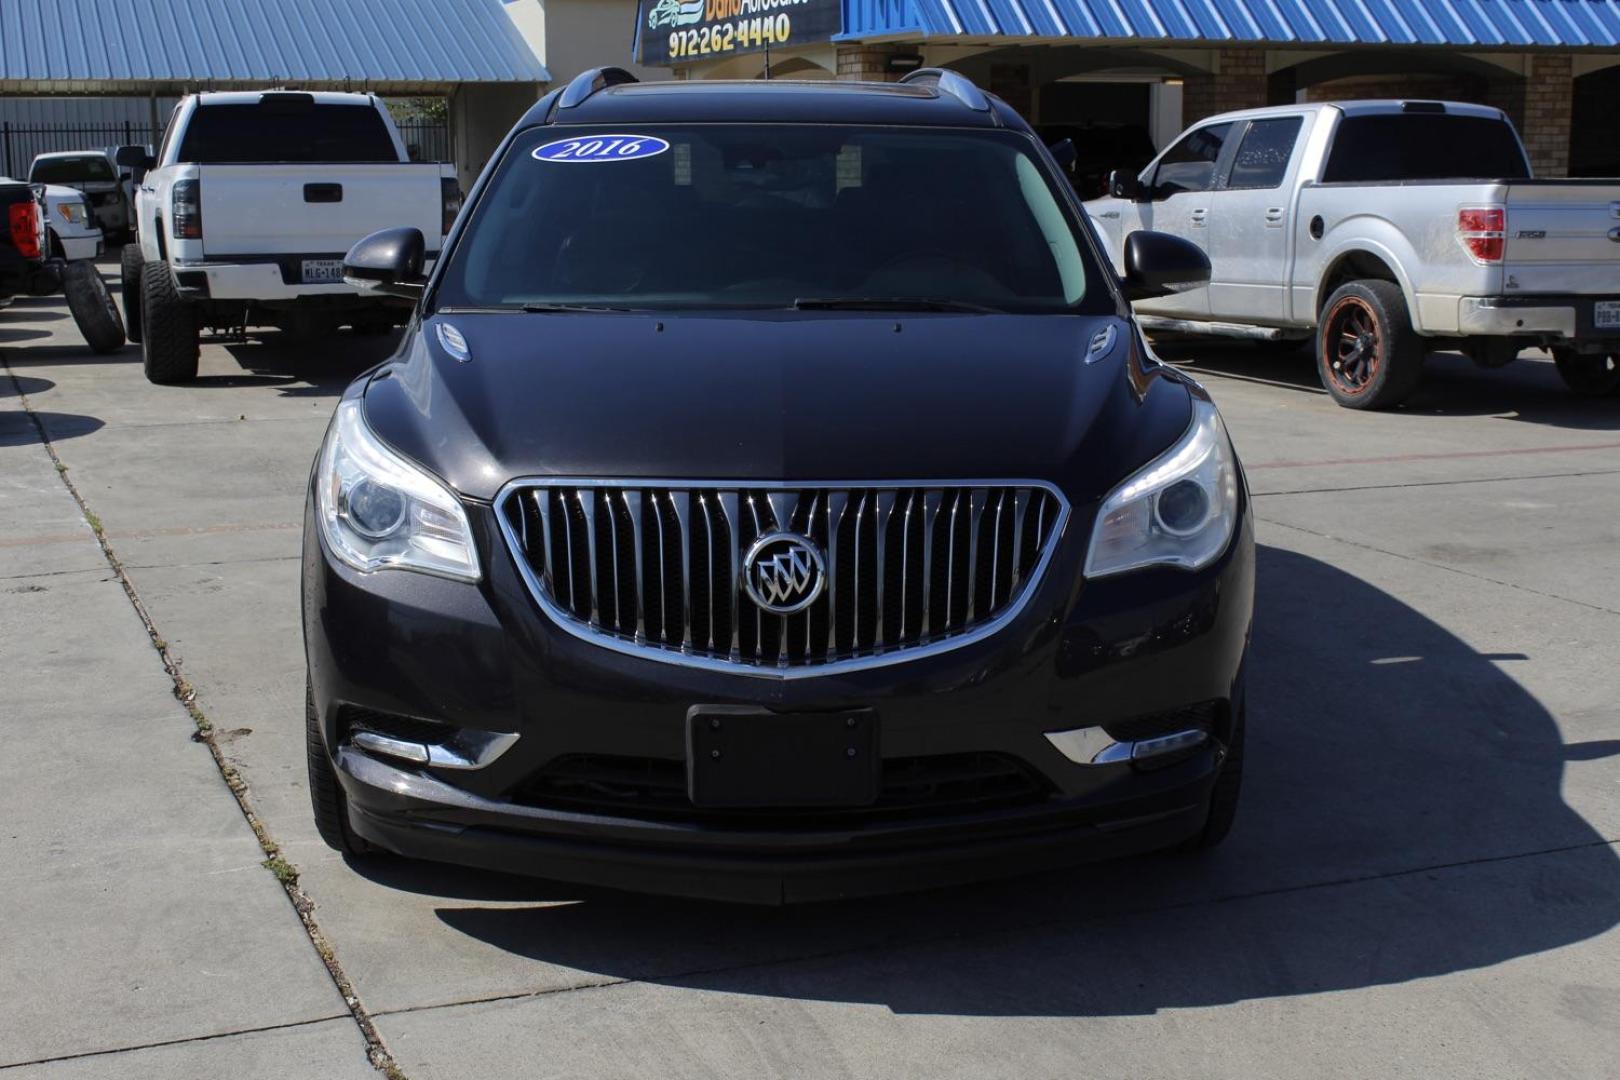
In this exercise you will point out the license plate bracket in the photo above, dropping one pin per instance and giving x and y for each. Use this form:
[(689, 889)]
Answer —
[(1606, 314), (321, 271), (739, 756)]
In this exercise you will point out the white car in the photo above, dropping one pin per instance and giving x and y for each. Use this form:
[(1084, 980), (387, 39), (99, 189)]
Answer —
[(71, 230)]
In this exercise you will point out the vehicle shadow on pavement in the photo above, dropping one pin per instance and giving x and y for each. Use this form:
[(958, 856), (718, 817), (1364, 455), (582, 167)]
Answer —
[(299, 366), (1403, 819), (1528, 390)]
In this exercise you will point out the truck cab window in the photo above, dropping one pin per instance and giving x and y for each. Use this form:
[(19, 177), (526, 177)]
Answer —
[(1189, 165), (1262, 156)]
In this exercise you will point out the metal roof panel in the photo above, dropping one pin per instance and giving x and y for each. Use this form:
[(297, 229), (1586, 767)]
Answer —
[(1533, 23), (257, 41)]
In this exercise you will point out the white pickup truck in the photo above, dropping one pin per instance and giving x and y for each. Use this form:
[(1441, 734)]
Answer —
[(245, 214), (1388, 229)]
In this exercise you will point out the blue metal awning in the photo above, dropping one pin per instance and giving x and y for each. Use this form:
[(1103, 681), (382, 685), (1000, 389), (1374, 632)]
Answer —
[(96, 44), (1474, 23)]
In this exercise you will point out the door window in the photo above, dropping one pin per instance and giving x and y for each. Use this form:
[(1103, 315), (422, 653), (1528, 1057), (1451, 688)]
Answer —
[(1189, 165), (1262, 156)]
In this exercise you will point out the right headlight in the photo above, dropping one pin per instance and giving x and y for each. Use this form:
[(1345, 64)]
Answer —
[(380, 512), (1178, 510)]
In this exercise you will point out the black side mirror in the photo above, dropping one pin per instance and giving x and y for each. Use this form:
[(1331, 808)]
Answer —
[(1126, 185), (126, 176), (389, 262), (133, 157), (1158, 264), (1064, 152)]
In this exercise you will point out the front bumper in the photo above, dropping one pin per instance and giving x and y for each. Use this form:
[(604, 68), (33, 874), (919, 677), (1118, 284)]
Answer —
[(485, 658), (78, 246), (1564, 319)]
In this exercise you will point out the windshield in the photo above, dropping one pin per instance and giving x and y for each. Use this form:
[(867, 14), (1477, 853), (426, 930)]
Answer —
[(71, 170), (772, 216)]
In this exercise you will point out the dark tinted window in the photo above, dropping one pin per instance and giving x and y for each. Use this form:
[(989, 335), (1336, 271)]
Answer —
[(1190, 164), (275, 132), (1262, 156), (71, 170), (1423, 146), (759, 216)]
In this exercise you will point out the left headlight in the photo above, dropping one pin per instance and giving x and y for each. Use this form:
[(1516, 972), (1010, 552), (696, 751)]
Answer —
[(379, 511), (1178, 510), (74, 213)]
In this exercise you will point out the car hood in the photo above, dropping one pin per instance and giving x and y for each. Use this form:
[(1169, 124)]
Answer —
[(777, 396)]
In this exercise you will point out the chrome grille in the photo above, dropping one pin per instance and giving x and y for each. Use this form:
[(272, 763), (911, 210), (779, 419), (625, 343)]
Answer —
[(655, 568)]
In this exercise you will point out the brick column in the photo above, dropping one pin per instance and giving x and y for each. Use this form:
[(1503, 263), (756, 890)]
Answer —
[(1549, 99), (1239, 82), (869, 63)]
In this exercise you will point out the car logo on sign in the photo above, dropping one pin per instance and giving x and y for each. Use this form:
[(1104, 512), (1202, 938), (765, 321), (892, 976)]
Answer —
[(784, 572)]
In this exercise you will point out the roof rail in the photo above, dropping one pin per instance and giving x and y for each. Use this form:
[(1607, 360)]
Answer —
[(589, 82), (958, 86)]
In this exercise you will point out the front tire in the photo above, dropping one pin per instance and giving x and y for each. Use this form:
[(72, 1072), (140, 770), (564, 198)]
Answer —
[(129, 275), (1589, 374), (1367, 354), (169, 350), (92, 307), (326, 799)]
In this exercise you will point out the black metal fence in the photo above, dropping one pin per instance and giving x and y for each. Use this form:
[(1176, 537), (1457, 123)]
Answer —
[(21, 143)]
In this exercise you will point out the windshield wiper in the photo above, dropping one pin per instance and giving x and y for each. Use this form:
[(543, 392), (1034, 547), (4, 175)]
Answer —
[(891, 303), (589, 308)]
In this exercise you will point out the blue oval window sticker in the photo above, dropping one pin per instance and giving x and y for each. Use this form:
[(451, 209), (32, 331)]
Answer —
[(600, 148)]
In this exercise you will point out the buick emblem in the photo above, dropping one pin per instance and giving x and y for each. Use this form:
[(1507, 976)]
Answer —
[(784, 572)]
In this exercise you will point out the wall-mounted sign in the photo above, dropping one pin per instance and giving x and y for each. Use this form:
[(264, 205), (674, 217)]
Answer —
[(680, 31)]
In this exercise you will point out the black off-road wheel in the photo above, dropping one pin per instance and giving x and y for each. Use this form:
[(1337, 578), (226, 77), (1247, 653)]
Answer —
[(1223, 803), (1367, 354), (326, 798), (129, 276), (1589, 374), (169, 350), (92, 307)]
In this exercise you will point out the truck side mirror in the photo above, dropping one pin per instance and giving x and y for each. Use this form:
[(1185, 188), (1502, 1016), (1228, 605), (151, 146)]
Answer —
[(1126, 185), (1158, 264), (133, 157), (388, 262)]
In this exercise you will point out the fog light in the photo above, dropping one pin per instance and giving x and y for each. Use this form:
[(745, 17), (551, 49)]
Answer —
[(1167, 744)]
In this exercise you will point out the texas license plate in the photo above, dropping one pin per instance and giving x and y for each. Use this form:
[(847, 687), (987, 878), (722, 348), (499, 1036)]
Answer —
[(1606, 314), (745, 757), (323, 271)]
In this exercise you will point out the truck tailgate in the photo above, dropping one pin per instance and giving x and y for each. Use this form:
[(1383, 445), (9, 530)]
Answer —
[(1563, 236), (314, 209)]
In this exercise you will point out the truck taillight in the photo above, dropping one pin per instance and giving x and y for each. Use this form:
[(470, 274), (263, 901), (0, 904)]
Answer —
[(23, 217), (186, 210), (450, 199), (1480, 230)]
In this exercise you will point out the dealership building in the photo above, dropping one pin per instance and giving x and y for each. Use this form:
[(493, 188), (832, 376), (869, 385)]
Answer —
[(1150, 67)]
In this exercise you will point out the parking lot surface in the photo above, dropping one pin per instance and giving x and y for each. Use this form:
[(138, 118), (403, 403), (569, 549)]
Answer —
[(1423, 880)]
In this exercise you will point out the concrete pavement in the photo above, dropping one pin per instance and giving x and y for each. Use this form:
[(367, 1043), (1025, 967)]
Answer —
[(1423, 881)]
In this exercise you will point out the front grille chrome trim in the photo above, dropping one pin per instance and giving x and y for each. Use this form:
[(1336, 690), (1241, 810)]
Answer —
[(588, 617)]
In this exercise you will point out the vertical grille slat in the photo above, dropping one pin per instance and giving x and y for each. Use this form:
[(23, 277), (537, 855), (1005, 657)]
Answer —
[(658, 566)]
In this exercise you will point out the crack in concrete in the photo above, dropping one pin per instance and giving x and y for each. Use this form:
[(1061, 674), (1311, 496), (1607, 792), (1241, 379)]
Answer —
[(1438, 566), (1435, 483), (182, 1041), (377, 1052)]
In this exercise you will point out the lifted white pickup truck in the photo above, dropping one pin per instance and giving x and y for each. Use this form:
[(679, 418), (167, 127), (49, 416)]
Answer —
[(245, 215), (1390, 229)]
